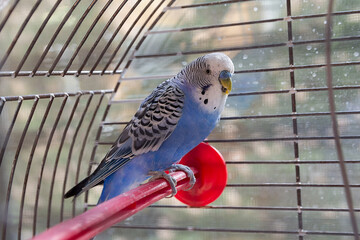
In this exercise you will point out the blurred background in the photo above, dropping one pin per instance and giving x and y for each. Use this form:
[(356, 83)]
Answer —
[(83, 67)]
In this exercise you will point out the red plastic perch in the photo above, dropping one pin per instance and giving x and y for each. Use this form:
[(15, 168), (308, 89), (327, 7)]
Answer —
[(210, 171)]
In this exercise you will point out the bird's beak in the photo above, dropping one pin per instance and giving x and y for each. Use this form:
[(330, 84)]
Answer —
[(225, 80)]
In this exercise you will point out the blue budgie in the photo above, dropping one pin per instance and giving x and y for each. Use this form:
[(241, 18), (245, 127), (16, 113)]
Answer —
[(178, 115)]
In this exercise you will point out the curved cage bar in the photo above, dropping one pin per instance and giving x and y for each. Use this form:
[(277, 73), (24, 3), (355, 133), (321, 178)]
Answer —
[(72, 73), (64, 17)]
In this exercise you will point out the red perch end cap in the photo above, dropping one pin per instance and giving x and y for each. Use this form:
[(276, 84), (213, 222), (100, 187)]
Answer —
[(211, 177)]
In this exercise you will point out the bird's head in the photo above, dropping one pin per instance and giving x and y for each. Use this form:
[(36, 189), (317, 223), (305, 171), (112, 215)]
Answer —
[(214, 69)]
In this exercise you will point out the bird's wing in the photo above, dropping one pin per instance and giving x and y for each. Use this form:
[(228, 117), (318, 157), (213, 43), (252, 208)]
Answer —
[(156, 119), (152, 124)]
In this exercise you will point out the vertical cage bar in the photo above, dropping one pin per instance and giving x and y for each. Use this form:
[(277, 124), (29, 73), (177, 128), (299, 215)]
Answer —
[(74, 137), (20, 101), (84, 145), (332, 106), (294, 120), (44, 160), (28, 170), (58, 157), (3, 101), (6, 140), (46, 113), (14, 164), (98, 134)]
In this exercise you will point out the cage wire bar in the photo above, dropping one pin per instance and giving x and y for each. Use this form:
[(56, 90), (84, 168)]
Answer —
[(66, 117), (335, 123)]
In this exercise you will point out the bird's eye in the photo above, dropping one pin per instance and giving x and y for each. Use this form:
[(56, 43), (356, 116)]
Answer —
[(208, 71)]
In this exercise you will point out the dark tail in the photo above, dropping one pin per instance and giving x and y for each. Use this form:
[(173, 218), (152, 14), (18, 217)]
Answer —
[(78, 189)]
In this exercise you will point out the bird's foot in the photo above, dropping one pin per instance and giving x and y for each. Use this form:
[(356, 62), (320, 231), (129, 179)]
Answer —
[(161, 174), (188, 172)]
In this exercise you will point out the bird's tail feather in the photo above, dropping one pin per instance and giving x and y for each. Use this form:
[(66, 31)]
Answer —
[(77, 189)]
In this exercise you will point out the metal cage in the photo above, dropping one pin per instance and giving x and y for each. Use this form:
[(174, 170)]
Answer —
[(72, 73)]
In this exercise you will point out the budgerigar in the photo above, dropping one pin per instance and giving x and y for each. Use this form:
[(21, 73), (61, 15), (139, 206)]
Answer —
[(178, 115)]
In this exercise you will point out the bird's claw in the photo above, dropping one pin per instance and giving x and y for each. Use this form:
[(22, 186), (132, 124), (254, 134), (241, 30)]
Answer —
[(172, 181), (161, 174), (188, 172)]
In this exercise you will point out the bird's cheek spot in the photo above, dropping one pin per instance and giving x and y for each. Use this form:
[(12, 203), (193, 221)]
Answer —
[(203, 92), (214, 107), (206, 101)]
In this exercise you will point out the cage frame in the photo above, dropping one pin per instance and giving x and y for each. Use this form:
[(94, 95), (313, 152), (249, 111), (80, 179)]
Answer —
[(131, 53)]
